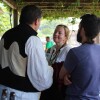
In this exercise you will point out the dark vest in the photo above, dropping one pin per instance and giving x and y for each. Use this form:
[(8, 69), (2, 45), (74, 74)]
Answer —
[(20, 34)]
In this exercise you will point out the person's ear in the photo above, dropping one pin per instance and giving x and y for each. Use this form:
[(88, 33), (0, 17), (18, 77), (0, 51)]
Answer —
[(36, 22), (82, 33)]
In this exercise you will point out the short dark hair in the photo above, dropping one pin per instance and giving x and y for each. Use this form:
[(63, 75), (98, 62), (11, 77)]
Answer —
[(29, 14), (47, 37), (90, 24)]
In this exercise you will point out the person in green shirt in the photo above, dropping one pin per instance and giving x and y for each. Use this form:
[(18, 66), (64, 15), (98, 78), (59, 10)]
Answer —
[(49, 43)]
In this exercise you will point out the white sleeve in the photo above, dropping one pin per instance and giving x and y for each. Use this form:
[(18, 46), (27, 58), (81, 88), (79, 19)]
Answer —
[(39, 73)]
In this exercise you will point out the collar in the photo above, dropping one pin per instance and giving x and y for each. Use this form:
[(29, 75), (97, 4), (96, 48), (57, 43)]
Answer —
[(28, 29)]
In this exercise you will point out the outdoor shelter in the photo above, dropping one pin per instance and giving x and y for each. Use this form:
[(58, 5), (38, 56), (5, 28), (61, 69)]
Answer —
[(57, 8)]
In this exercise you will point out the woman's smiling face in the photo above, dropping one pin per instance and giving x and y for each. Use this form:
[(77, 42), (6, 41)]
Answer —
[(59, 35)]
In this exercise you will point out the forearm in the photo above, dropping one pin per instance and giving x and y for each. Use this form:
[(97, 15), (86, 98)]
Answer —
[(65, 76), (62, 73)]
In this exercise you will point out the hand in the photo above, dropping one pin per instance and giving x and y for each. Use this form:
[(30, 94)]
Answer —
[(67, 80)]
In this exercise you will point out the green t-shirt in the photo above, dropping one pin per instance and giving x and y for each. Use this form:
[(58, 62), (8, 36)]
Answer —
[(49, 44)]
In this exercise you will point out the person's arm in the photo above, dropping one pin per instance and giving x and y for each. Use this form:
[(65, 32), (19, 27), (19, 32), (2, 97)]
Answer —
[(69, 65), (64, 75), (47, 46), (39, 73)]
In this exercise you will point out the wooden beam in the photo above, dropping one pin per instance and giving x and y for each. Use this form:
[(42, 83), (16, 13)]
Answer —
[(11, 3), (65, 5)]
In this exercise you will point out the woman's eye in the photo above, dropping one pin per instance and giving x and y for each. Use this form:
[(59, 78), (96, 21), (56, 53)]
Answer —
[(59, 32)]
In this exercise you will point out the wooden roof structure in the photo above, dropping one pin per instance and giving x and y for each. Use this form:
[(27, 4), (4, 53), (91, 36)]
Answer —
[(64, 6), (58, 8)]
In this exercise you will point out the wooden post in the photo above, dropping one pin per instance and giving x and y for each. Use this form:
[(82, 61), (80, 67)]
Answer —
[(15, 17), (11, 3)]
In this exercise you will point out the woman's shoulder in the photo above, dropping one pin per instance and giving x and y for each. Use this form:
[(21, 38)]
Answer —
[(68, 47)]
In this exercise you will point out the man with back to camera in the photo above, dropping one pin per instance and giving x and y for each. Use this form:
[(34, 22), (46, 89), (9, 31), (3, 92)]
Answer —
[(23, 65), (81, 70)]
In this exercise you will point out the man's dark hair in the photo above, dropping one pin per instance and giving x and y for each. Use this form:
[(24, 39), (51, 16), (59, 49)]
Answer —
[(90, 24), (29, 14), (48, 37)]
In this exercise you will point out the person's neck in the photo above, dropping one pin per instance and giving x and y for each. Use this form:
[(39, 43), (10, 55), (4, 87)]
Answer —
[(84, 40), (33, 27), (59, 45)]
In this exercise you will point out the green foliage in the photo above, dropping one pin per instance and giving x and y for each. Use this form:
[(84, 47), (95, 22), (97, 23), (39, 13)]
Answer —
[(4, 18), (47, 26), (72, 10), (73, 20)]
